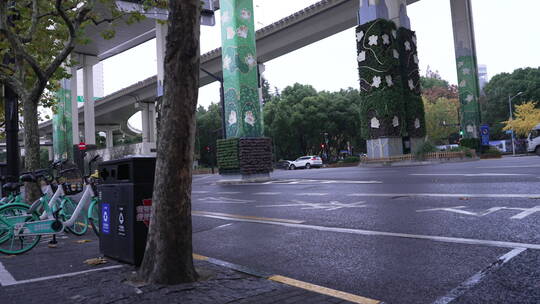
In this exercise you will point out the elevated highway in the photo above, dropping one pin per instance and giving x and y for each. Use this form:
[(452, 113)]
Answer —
[(316, 22)]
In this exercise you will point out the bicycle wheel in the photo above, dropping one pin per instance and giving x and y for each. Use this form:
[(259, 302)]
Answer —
[(80, 225), (93, 216), (9, 217)]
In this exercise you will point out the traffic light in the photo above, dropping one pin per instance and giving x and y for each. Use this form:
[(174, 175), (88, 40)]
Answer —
[(207, 148), (460, 132), (322, 146)]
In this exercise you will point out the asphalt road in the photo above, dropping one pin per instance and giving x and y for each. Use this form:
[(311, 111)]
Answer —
[(421, 234)]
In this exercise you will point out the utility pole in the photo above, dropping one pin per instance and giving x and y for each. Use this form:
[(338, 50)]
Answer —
[(511, 118)]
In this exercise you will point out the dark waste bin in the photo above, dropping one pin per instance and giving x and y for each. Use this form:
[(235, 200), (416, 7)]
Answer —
[(3, 172), (126, 199)]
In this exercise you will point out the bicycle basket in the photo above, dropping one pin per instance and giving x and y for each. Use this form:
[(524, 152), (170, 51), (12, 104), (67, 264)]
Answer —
[(71, 180)]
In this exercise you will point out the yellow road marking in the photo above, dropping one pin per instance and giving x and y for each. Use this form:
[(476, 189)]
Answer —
[(200, 257), (324, 290), (203, 213)]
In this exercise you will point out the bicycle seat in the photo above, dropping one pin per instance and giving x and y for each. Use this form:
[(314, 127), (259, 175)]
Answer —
[(9, 187), (31, 178)]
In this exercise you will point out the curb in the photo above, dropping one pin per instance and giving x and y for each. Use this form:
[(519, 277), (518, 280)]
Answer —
[(289, 281), (414, 163)]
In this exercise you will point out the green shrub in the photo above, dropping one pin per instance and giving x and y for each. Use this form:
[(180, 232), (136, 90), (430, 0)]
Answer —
[(423, 149), (492, 152), (468, 152), (471, 143), (351, 159)]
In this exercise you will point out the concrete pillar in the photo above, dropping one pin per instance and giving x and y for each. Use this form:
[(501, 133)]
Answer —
[(467, 68), (62, 124), (74, 107), (109, 142), (239, 57), (161, 40), (88, 92)]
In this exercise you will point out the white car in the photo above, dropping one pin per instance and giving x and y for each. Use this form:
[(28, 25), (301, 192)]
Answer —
[(533, 141), (306, 162)]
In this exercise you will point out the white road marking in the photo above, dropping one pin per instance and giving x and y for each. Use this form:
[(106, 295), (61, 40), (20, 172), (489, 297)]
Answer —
[(498, 167), (459, 209), (468, 174), (311, 194), (223, 200), (199, 192), (229, 192), (6, 278), (477, 277), (327, 206), (60, 275), (526, 213), (314, 181), (434, 238), (267, 193), (517, 195), (223, 226)]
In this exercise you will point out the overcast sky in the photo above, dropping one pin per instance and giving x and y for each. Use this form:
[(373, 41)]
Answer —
[(506, 37)]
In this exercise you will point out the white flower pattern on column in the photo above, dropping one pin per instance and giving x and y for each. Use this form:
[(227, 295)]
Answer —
[(463, 84), (250, 60), (230, 33), (361, 56), (232, 118), (227, 62), (245, 14), (394, 33), (376, 81), (407, 46), (395, 121), (411, 84), (250, 119), (389, 81), (396, 54), (375, 123), (373, 39), (386, 39), (242, 31), (470, 129), (225, 17), (460, 64), (417, 123), (359, 36), (469, 98), (466, 71)]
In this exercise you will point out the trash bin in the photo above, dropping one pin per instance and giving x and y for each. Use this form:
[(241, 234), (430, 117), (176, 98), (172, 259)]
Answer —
[(127, 184), (3, 172)]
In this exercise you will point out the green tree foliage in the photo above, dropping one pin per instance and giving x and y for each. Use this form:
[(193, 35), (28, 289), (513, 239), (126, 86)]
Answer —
[(503, 85), (441, 119), (299, 117), (36, 38), (208, 132)]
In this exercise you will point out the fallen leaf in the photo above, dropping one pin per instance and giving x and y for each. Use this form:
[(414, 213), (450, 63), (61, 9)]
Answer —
[(95, 261), (82, 241), (52, 245)]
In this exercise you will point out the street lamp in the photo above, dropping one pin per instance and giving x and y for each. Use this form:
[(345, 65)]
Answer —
[(511, 118)]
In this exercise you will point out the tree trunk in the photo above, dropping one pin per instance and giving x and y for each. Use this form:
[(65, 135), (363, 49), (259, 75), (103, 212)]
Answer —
[(168, 257), (31, 146)]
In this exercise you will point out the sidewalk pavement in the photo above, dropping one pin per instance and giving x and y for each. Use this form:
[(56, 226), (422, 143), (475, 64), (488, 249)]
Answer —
[(216, 285)]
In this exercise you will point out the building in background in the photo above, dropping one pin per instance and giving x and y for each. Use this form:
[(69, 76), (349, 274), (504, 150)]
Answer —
[(483, 78)]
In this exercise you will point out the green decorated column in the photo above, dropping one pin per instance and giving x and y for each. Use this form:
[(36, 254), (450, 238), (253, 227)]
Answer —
[(467, 70), (62, 119), (412, 92), (382, 107), (244, 151), (242, 105)]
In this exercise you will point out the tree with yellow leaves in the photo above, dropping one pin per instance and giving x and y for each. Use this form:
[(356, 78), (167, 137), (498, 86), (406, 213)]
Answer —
[(526, 117)]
